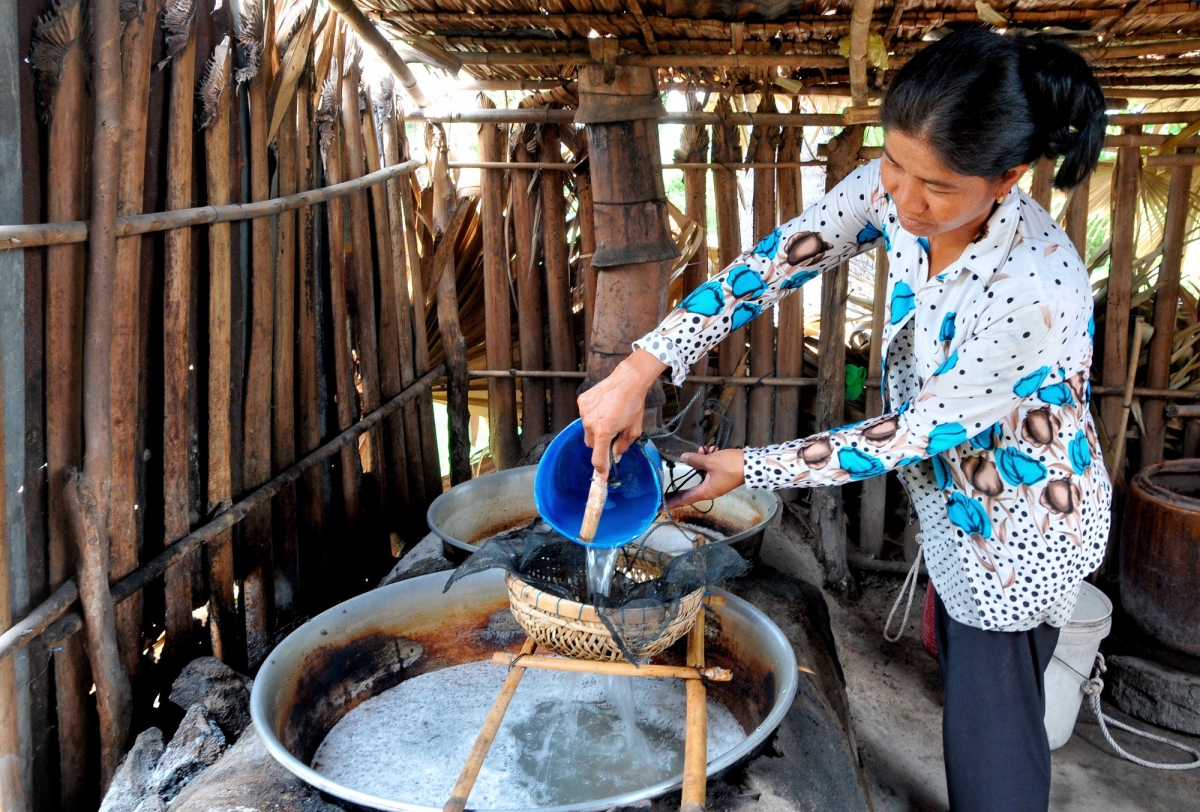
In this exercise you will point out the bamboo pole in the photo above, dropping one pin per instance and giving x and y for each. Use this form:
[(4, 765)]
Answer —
[(1077, 216), (1120, 278), (761, 409), (1117, 464), (483, 743), (586, 218), (502, 397), (1166, 311), (693, 147), (691, 673), (123, 525), (404, 308), (559, 324), (359, 24), (789, 350), (1041, 188), (874, 493), (732, 350), (550, 115), (454, 345), (522, 203), (58, 59), (695, 747), (389, 333), (63, 598), (217, 94), (258, 586)]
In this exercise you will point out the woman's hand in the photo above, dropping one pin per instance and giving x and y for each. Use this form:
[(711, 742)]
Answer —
[(723, 472), (614, 408)]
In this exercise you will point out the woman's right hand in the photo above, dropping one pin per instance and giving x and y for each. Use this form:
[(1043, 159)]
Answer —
[(613, 410)]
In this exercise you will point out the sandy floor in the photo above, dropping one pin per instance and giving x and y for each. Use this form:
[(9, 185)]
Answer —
[(895, 700)]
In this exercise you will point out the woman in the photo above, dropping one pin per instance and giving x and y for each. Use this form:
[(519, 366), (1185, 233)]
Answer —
[(987, 346)]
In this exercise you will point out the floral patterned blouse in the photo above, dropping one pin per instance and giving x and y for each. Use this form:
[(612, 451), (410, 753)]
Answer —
[(986, 394)]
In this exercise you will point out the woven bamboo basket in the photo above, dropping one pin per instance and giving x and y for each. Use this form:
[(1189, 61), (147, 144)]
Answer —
[(575, 630)]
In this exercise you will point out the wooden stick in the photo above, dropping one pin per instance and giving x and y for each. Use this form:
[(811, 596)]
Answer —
[(693, 146), (594, 509), (874, 495), (358, 22), (1118, 457), (560, 323), (522, 201), (761, 408), (1077, 216), (732, 348), (571, 665), (1041, 189), (1124, 195), (483, 743), (586, 218), (454, 345), (695, 747), (114, 697)]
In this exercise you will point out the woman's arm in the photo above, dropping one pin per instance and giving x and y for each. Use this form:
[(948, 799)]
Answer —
[(845, 222)]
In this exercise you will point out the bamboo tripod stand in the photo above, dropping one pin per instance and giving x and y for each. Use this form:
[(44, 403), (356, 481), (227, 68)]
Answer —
[(695, 749)]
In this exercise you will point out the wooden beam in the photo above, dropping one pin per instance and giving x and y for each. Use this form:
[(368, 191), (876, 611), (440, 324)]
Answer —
[(874, 493), (559, 323), (1125, 181), (860, 28), (764, 141), (732, 349)]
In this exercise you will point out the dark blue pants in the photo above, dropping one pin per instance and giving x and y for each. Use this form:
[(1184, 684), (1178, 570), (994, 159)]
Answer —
[(993, 734)]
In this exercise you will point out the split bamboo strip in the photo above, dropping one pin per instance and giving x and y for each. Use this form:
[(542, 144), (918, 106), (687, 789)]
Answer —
[(63, 599), (124, 489), (725, 148), (521, 204), (58, 59), (1117, 463), (258, 584), (502, 398), (1166, 311), (789, 351), (218, 94), (691, 673), (695, 746), (178, 365), (389, 334), (559, 324), (874, 493), (764, 142), (586, 218)]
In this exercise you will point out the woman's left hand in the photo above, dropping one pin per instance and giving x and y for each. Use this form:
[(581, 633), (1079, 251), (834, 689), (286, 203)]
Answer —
[(723, 472)]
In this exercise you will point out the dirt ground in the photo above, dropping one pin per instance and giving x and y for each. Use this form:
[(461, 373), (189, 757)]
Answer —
[(895, 702)]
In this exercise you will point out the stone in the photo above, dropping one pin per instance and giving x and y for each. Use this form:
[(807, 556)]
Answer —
[(132, 786), (427, 556), (1154, 692), (224, 692), (249, 779), (197, 744), (153, 803)]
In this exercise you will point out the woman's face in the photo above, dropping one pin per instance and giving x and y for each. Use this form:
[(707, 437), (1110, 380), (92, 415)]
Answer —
[(930, 197)]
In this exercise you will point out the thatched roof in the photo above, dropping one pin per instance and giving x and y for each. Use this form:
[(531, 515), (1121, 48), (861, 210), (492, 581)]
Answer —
[(700, 40)]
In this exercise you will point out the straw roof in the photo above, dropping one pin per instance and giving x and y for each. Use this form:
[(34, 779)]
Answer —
[(1143, 43)]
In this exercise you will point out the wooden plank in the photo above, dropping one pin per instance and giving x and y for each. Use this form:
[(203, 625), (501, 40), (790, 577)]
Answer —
[(1120, 278), (559, 324), (761, 409), (693, 146), (732, 349), (502, 396), (789, 350), (587, 246), (1077, 216), (1041, 187), (1166, 311), (530, 314), (874, 493)]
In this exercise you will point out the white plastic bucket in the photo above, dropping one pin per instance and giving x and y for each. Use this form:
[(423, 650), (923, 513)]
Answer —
[(1078, 643)]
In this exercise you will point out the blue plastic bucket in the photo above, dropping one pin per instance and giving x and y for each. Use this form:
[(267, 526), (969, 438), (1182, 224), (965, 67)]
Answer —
[(564, 477)]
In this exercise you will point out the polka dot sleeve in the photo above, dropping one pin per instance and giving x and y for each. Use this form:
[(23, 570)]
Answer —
[(845, 222)]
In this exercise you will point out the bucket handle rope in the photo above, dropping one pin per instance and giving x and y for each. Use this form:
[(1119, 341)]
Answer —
[(910, 588)]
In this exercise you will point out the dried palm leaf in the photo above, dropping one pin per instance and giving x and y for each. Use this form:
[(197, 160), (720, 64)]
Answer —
[(250, 36), (214, 83), (178, 16), (55, 33)]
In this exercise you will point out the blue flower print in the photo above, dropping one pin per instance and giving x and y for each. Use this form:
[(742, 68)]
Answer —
[(1030, 383), (904, 301), (887, 238), (1056, 394), (948, 364), (1091, 326), (1018, 468), (941, 472), (947, 331), (743, 314), (924, 243), (797, 279), (768, 245), (968, 515), (705, 300), (945, 437), (987, 439), (745, 282), (868, 234), (909, 461), (1080, 452), (858, 464)]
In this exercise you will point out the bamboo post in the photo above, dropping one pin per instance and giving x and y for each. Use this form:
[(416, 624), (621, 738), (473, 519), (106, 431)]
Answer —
[(483, 743), (1041, 187), (389, 320), (1120, 280), (560, 327), (693, 147), (218, 93), (587, 245), (874, 493), (58, 59), (695, 748), (258, 587), (731, 354), (570, 665), (502, 397), (404, 309), (829, 518), (123, 525), (530, 318), (1077, 216), (1166, 311), (114, 697), (1118, 455), (761, 410), (789, 349), (454, 345)]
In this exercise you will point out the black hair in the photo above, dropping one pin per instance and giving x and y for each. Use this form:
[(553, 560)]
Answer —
[(986, 103)]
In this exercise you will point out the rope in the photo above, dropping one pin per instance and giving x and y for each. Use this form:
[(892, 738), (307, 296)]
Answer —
[(1092, 688), (909, 586)]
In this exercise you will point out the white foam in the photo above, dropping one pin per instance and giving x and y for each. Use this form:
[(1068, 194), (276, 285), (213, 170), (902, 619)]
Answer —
[(409, 743)]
